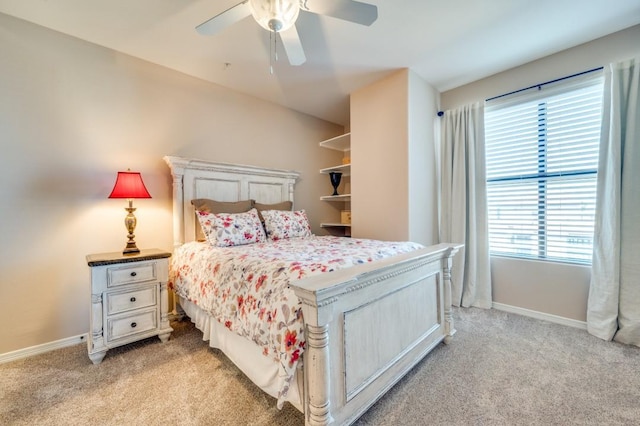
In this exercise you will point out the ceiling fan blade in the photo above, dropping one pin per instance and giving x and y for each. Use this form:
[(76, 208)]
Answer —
[(293, 46), (225, 19), (347, 10)]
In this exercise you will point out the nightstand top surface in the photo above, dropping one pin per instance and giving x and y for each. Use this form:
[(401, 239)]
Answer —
[(100, 259)]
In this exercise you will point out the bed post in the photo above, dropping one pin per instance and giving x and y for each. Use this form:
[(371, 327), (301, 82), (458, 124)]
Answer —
[(177, 172), (290, 195), (447, 263), (318, 314), (318, 358)]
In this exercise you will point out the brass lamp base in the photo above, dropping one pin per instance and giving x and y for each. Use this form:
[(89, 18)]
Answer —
[(131, 249), (130, 223)]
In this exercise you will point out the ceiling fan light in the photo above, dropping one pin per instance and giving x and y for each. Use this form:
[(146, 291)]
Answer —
[(275, 15)]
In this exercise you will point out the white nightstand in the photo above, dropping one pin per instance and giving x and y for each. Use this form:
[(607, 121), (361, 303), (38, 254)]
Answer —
[(129, 299)]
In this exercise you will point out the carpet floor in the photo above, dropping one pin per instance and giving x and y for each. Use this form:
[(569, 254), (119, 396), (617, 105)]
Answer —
[(500, 369)]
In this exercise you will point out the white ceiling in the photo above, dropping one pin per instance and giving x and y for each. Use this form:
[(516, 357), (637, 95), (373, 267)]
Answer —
[(447, 42)]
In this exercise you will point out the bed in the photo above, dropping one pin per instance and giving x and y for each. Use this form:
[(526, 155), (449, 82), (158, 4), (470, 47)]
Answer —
[(331, 365)]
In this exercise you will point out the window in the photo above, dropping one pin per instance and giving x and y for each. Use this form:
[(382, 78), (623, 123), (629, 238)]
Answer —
[(542, 165)]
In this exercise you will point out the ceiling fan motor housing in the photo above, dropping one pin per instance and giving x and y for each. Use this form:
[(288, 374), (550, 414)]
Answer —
[(275, 15)]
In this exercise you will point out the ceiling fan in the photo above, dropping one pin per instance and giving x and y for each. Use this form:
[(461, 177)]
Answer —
[(279, 16)]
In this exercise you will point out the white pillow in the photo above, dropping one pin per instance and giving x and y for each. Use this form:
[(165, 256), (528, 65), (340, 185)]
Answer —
[(282, 224), (232, 229)]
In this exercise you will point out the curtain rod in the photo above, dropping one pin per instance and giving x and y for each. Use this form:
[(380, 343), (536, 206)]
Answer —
[(539, 85)]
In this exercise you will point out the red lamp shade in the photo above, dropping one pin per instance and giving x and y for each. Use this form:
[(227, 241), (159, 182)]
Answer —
[(129, 185)]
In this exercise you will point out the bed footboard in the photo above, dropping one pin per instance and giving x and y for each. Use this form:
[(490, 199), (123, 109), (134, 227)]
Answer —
[(367, 326)]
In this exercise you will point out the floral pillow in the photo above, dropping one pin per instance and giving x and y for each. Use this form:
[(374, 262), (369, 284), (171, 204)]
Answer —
[(217, 207), (282, 224), (232, 229)]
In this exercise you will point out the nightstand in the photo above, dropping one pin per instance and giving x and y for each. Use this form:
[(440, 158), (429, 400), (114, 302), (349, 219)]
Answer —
[(129, 299)]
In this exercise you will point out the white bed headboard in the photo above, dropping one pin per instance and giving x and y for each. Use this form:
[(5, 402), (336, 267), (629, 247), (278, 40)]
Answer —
[(221, 182)]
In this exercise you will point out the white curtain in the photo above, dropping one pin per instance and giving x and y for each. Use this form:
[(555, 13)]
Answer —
[(463, 204), (614, 296)]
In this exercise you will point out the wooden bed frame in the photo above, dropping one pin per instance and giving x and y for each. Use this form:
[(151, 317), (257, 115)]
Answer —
[(365, 326)]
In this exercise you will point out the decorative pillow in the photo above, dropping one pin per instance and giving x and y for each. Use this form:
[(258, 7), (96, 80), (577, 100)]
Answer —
[(282, 224), (232, 229), (284, 205), (216, 207)]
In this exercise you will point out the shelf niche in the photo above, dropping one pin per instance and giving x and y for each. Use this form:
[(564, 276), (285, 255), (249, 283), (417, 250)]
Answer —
[(340, 143)]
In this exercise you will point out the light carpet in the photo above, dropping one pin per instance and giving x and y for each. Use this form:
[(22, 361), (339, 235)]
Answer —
[(500, 369)]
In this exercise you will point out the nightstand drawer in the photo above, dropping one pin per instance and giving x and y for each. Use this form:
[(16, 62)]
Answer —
[(126, 301), (131, 274), (135, 323)]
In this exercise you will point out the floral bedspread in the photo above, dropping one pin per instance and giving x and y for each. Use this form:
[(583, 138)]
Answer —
[(246, 288)]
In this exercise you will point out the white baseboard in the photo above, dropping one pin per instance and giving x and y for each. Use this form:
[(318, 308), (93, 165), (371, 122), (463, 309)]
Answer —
[(540, 315), (40, 349)]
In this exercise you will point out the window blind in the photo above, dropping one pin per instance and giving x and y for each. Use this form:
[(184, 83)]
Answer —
[(542, 164)]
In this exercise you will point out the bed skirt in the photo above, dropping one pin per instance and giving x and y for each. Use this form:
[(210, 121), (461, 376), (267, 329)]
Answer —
[(246, 355)]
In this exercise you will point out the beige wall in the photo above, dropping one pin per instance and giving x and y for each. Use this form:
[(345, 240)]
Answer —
[(379, 152), (72, 114), (393, 155), (552, 288), (618, 46), (423, 193)]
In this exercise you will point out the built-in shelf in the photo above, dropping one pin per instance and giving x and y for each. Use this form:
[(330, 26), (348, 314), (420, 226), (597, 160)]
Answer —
[(339, 143), (345, 169), (335, 225), (342, 197)]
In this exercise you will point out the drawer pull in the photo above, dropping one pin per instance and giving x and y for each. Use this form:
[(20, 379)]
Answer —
[(133, 274), (133, 299), (134, 325)]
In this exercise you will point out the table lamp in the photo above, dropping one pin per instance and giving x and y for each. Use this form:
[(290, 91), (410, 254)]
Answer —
[(129, 185)]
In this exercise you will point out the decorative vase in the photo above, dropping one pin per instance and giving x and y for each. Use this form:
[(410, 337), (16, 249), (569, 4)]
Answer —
[(335, 177)]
